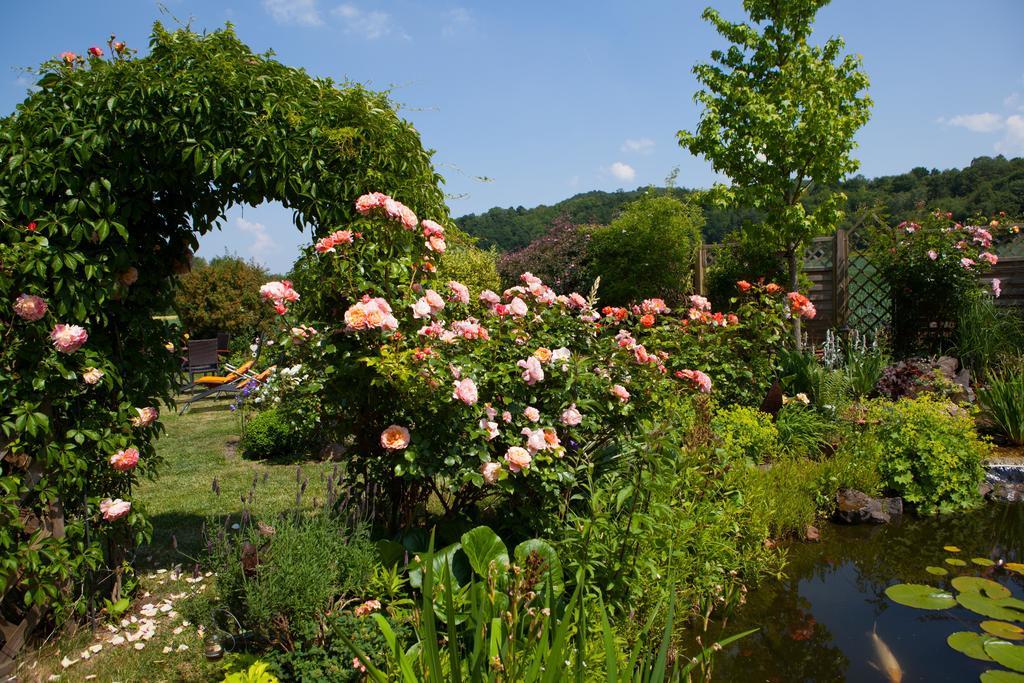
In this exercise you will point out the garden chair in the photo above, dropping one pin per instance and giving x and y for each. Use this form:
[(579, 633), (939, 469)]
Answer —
[(230, 385), (202, 357), (223, 340)]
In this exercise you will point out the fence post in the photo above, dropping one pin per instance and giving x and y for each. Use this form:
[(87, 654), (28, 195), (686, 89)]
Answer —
[(699, 271), (841, 278)]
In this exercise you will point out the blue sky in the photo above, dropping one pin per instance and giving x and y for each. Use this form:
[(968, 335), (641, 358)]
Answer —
[(547, 99)]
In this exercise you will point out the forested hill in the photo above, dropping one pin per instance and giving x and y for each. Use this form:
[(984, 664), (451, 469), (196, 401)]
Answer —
[(986, 186)]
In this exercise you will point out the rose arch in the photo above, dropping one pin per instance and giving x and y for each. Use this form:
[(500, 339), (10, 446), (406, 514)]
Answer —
[(108, 173)]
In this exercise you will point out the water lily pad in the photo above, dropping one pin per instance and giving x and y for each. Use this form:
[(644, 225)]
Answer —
[(938, 571), (970, 643), (1001, 676), (982, 561), (1009, 655), (1003, 610), (1003, 630), (976, 584), (1015, 567), (951, 548), (920, 596), (955, 562)]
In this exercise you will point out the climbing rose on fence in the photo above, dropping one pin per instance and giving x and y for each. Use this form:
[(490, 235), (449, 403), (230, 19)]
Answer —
[(126, 460), (30, 307), (115, 509), (68, 338)]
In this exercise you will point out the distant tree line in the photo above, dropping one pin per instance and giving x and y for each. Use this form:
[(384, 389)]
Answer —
[(987, 186)]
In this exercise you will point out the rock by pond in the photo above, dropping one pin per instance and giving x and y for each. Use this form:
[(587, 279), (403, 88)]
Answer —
[(856, 507)]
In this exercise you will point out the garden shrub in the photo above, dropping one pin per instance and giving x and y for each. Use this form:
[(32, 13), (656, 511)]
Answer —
[(223, 297), (804, 431), (558, 257), (746, 434), (267, 435), (102, 195), (933, 454), (465, 262), (740, 258), (987, 335), (1001, 400), (648, 251)]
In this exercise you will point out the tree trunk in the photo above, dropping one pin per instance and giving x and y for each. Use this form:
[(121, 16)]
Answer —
[(794, 273)]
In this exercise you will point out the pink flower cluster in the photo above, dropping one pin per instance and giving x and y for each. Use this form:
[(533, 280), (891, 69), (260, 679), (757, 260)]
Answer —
[(801, 305), (465, 391), (380, 203), (369, 314), (30, 307), (279, 293), (68, 338), (327, 244), (113, 510), (147, 416), (699, 379), (427, 305), (532, 370), (126, 460), (434, 235), (460, 293)]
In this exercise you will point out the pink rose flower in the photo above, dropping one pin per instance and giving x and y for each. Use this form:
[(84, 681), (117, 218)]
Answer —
[(366, 608), (395, 438), (535, 440), (517, 307), (434, 300), (933, 255), (532, 370), (701, 380), (96, 51), (490, 298), (506, 416), (92, 375), (368, 202), (30, 307), (967, 263), (68, 338), (113, 510), (532, 414), (68, 57), (620, 392), (279, 293), (490, 427), (571, 416), (518, 458), (460, 292), (147, 416), (990, 258), (490, 472), (997, 287), (368, 314), (465, 391), (420, 309), (700, 303), (126, 460), (436, 243)]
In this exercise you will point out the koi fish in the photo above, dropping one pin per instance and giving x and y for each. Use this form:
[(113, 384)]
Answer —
[(887, 663)]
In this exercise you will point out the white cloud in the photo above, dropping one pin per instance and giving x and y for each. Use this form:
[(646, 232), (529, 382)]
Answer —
[(1013, 101), (457, 21), (261, 242), (638, 145), (297, 12), (623, 172), (986, 122), (370, 24), (1013, 136)]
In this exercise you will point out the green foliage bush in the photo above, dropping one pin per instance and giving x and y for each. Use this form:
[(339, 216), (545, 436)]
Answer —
[(804, 431), (648, 251), (1002, 403), (467, 263), (223, 297), (746, 434), (988, 335), (932, 452), (268, 436), (740, 257)]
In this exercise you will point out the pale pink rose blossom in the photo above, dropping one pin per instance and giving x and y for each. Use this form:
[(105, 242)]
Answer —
[(147, 416), (92, 375), (368, 202), (113, 510), (700, 303), (576, 300), (490, 472), (535, 440), (506, 416), (990, 258), (530, 279), (436, 243), (517, 307), (571, 416), (620, 392), (518, 458), (366, 608), (490, 298), (465, 391), (560, 354), (490, 427), (699, 379), (997, 287), (532, 370), (460, 293), (420, 309), (126, 460), (532, 414), (435, 300), (30, 307), (68, 338), (933, 255), (431, 228), (395, 438), (279, 293), (967, 263)]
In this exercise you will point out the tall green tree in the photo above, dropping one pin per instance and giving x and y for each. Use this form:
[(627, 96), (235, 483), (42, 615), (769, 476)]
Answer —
[(779, 116)]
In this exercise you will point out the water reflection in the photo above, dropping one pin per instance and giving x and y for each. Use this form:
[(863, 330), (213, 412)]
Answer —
[(816, 624)]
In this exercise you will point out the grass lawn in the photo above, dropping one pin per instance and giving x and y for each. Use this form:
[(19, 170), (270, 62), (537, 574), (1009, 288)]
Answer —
[(197, 448)]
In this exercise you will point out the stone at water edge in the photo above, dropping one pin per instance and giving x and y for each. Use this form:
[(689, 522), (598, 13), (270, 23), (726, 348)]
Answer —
[(854, 507)]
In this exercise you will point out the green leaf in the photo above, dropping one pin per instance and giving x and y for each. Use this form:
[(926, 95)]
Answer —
[(1009, 655), (552, 565), (482, 547), (920, 596), (970, 643)]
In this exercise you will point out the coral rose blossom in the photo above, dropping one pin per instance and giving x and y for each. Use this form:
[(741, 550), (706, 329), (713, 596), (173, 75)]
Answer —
[(29, 307), (490, 472), (532, 414), (126, 460), (115, 509), (620, 392), (571, 416), (772, 288), (367, 607), (395, 438), (460, 292), (465, 391), (743, 286), (68, 338), (147, 416), (92, 375), (518, 458)]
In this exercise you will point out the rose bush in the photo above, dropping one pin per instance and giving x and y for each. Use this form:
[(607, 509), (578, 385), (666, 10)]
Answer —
[(439, 392)]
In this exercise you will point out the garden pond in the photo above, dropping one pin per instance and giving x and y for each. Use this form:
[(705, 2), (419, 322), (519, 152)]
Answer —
[(817, 623)]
